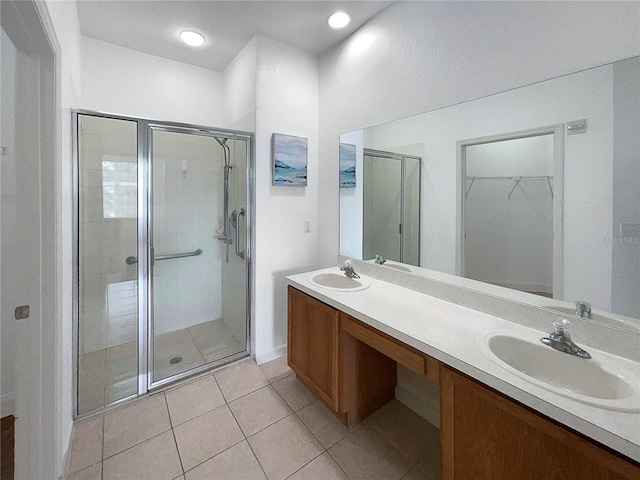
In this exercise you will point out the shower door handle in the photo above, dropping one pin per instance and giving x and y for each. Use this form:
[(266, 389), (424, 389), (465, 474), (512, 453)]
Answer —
[(170, 256), (235, 216)]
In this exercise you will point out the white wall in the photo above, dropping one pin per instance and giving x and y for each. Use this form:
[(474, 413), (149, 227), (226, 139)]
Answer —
[(419, 56), (287, 102), (239, 84), (126, 82), (8, 325)]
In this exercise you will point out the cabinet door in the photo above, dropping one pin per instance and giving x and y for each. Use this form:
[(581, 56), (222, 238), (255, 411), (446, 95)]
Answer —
[(313, 345), (486, 436)]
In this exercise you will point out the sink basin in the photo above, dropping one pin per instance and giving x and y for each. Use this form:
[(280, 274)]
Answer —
[(606, 381), (339, 282), (397, 266), (612, 319)]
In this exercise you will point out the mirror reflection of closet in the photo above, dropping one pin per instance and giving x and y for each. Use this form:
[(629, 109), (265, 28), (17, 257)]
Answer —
[(508, 213)]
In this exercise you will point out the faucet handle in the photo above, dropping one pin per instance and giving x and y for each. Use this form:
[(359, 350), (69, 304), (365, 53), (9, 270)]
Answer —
[(562, 326), (582, 305)]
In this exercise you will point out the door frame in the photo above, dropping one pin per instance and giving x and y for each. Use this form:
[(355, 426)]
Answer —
[(42, 432), (558, 194)]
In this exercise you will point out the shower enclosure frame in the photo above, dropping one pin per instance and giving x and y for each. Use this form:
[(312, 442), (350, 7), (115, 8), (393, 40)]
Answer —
[(144, 233), (370, 152)]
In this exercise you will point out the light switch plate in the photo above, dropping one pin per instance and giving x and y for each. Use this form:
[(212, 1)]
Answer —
[(22, 312), (629, 229)]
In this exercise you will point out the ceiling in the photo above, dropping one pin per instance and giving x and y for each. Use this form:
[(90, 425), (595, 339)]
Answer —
[(153, 26)]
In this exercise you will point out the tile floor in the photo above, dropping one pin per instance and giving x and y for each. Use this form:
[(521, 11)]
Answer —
[(111, 374), (248, 422)]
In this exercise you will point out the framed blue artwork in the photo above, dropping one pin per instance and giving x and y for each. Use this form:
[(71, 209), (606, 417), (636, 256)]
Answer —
[(289, 157), (347, 165)]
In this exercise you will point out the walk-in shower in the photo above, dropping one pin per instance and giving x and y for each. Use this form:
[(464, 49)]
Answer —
[(163, 268), (391, 206)]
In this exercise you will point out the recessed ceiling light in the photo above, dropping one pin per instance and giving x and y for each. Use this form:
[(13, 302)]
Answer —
[(339, 20), (192, 38)]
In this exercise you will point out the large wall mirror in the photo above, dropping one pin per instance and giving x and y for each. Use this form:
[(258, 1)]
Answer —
[(532, 194)]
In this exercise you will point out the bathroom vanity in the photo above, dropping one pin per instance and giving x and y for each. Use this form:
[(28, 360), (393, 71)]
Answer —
[(345, 345)]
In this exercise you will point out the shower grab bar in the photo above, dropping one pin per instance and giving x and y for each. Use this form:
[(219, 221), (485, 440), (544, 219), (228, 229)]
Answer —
[(195, 253), (236, 225)]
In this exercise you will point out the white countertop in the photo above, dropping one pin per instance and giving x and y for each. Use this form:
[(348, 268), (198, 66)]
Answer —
[(450, 333)]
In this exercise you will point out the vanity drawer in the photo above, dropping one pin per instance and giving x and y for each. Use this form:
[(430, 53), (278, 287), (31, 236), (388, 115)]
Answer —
[(392, 348)]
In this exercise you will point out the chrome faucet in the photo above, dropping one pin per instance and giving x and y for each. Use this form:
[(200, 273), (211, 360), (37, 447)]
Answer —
[(380, 259), (561, 340), (348, 270), (583, 309)]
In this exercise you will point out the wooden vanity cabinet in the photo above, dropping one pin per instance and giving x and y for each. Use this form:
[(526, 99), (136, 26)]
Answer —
[(313, 345), (487, 436), (351, 367)]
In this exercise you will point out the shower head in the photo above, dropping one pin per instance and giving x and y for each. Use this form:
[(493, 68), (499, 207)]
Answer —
[(222, 142)]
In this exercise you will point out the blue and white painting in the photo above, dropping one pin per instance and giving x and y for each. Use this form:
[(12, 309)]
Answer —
[(289, 160), (347, 165)]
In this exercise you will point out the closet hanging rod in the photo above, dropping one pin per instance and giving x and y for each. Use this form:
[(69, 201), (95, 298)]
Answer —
[(509, 177), (517, 179)]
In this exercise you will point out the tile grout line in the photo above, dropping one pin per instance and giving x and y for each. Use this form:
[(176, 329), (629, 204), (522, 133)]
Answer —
[(317, 456), (338, 463), (139, 443), (272, 385), (264, 428), (326, 449), (211, 458), (246, 439), (173, 433), (314, 437), (102, 459), (257, 459)]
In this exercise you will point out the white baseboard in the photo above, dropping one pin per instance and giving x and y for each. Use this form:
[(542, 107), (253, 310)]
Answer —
[(8, 404), (272, 355)]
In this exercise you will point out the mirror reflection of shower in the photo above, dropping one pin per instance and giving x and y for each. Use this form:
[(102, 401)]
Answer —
[(391, 206)]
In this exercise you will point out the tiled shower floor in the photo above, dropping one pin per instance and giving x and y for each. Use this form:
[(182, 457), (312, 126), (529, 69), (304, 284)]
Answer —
[(248, 422), (111, 374)]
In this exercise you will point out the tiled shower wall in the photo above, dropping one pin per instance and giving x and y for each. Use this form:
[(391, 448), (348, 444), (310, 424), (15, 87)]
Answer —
[(108, 232), (187, 215)]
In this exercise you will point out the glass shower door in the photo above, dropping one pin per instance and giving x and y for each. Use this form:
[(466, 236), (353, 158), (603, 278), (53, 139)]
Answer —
[(382, 212), (107, 345), (197, 232)]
